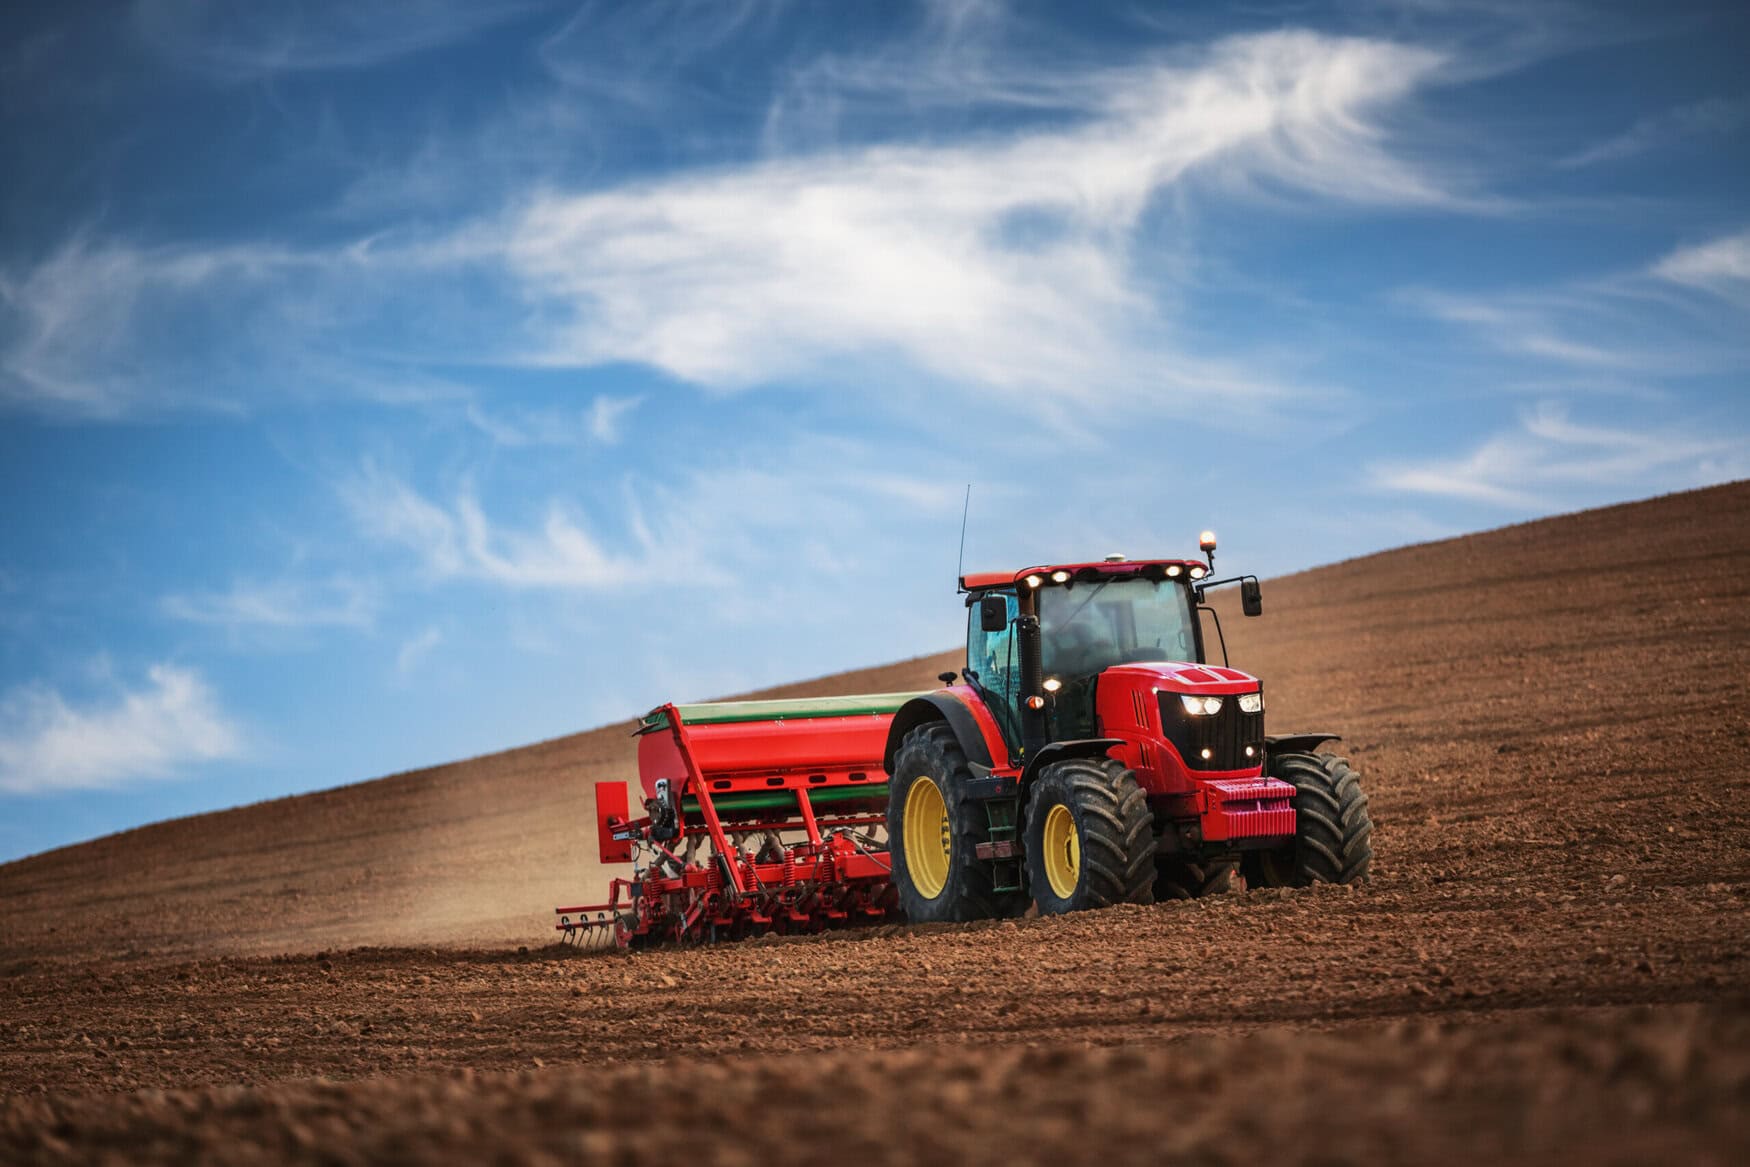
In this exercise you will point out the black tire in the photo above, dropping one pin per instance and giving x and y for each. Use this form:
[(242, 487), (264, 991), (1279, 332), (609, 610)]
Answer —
[(1333, 830), (1181, 879), (1114, 831), (932, 751)]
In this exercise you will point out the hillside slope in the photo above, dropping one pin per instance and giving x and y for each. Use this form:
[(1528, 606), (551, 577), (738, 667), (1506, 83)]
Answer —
[(1477, 681), (476, 851), (1547, 967)]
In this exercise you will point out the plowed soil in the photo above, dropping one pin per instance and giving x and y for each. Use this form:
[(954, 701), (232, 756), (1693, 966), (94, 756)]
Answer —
[(1548, 965)]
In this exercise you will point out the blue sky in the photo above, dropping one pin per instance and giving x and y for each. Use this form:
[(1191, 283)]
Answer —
[(382, 385)]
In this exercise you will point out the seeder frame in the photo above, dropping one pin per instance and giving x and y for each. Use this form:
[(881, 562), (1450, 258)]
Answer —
[(838, 872)]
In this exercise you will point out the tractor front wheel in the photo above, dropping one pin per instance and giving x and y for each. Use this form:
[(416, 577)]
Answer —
[(1089, 837), (1333, 830), (933, 831)]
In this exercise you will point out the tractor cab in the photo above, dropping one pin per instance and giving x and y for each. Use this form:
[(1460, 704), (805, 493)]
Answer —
[(1085, 618)]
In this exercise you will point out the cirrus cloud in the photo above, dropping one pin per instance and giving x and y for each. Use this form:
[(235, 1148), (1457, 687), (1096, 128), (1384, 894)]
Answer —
[(996, 263), (172, 722), (247, 42), (1542, 463), (1002, 264), (1720, 265)]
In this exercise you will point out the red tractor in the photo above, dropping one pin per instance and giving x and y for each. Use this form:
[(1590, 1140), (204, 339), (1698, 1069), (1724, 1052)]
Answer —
[(1088, 754)]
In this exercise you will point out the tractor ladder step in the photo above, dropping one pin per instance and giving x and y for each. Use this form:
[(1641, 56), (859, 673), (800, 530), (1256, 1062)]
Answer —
[(1003, 852)]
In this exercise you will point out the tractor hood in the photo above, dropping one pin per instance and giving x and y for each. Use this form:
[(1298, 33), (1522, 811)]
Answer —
[(1184, 677)]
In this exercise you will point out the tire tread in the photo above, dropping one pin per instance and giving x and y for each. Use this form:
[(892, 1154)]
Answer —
[(1117, 831), (1333, 825)]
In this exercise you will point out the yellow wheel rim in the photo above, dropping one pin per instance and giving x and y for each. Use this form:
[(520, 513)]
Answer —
[(1063, 852), (928, 841)]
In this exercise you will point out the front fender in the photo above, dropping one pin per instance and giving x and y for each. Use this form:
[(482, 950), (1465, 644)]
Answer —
[(1297, 743), (1093, 747)]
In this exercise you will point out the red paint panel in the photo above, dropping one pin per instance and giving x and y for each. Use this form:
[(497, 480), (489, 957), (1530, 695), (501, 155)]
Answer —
[(974, 580), (1124, 708), (816, 743), (836, 746), (659, 756), (1169, 677), (1248, 808), (987, 728), (611, 802), (1250, 789)]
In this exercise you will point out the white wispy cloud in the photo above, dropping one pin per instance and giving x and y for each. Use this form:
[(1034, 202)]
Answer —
[(608, 414), (602, 423), (245, 42), (458, 540), (1539, 464), (1005, 263), (1629, 323), (1720, 265), (73, 326), (629, 54), (1002, 264), (1528, 325), (172, 722), (961, 55), (706, 525), (1709, 118), (281, 603), (416, 649)]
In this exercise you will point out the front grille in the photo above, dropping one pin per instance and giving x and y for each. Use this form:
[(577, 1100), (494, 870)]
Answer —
[(1225, 735)]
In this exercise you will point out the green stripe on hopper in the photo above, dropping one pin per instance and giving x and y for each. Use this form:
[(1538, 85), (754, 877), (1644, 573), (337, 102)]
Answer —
[(786, 799), (724, 712)]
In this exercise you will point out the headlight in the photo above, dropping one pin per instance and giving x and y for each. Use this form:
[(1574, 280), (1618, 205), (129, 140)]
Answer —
[(1201, 706), (1251, 702), (1197, 572)]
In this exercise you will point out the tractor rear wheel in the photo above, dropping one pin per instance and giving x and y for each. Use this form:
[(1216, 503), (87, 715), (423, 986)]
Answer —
[(1333, 830), (933, 831), (1181, 879), (1089, 837)]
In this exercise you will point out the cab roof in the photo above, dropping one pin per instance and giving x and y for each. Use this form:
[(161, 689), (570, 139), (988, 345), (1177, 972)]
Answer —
[(974, 581)]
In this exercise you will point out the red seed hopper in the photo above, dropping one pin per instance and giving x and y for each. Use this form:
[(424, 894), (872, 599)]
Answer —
[(757, 816)]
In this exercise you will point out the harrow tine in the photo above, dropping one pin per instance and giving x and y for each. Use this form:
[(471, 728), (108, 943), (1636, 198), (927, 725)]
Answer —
[(586, 933)]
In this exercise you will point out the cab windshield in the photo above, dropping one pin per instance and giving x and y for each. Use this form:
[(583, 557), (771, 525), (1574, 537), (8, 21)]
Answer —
[(1091, 626)]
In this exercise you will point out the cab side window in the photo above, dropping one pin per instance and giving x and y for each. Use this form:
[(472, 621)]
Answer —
[(994, 656)]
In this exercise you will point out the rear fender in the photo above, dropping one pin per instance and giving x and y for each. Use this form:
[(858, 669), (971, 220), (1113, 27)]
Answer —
[(974, 728)]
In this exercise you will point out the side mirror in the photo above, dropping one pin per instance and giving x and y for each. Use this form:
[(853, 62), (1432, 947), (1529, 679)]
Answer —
[(993, 613), (1251, 598)]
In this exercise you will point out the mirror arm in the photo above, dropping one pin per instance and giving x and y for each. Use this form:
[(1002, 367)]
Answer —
[(1221, 639), (1205, 585)]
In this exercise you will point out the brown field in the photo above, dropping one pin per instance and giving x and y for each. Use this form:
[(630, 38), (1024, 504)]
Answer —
[(1549, 965)]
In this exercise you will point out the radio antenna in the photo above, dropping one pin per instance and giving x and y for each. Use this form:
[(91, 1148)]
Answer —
[(960, 569)]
